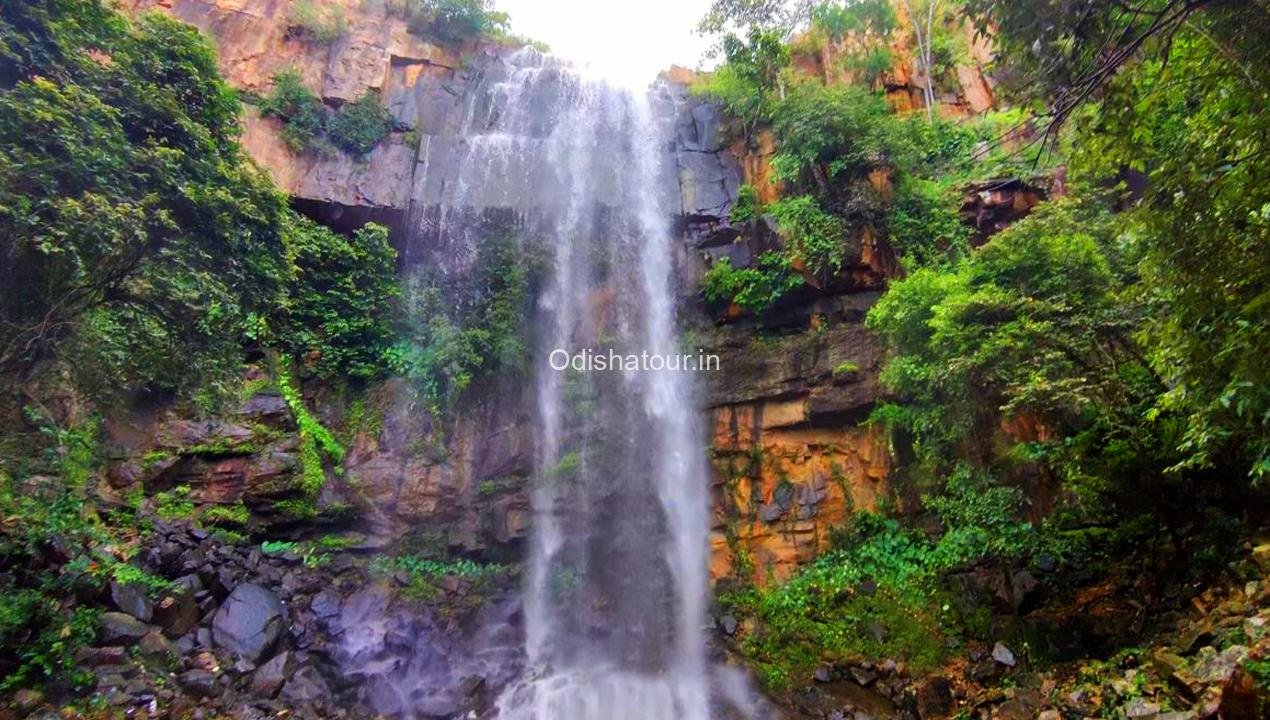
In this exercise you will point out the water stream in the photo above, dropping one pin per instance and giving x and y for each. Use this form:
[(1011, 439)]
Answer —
[(616, 579)]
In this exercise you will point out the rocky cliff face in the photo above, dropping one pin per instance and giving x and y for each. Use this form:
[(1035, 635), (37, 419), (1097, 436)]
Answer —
[(791, 460)]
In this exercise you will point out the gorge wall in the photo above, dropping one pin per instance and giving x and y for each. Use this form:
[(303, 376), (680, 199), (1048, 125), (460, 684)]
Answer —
[(790, 459)]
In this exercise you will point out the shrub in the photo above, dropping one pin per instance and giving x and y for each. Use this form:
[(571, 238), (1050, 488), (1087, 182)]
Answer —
[(337, 317), (301, 111), (450, 20), (754, 288), (812, 235), (318, 21), (360, 125), (471, 334), (747, 206)]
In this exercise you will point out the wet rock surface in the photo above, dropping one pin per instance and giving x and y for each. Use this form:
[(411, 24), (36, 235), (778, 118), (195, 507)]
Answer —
[(245, 634)]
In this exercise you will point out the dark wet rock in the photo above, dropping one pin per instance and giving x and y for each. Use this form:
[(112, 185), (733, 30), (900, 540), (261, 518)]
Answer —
[(270, 677), (199, 683), (101, 656), (728, 624), (132, 599), (249, 622), (157, 647), (117, 627), (306, 685), (26, 700), (326, 604), (934, 699), (863, 676), (177, 614), (471, 685)]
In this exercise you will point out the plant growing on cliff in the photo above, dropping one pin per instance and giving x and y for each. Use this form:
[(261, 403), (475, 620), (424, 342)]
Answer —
[(813, 237), (320, 22), (477, 332), (754, 288), (747, 205), (302, 113), (451, 21), (359, 126), (337, 316)]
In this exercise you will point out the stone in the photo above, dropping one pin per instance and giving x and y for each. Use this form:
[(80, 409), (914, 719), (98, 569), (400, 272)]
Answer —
[(177, 614), (27, 700), (1239, 699), (326, 604), (131, 598), (470, 685), (822, 674), (306, 685), (934, 699), (249, 622), (728, 624), (101, 656), (1140, 708), (117, 627), (155, 646), (199, 683), (1003, 655), (863, 676), (272, 675)]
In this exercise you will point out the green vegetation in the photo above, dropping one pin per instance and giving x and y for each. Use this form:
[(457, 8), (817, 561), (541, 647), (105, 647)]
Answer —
[(754, 288), (423, 576), (1112, 344), (141, 242), (302, 113), (451, 21), (360, 125), (316, 443), (174, 504), (40, 623), (318, 21), (337, 319), (235, 515), (356, 128), (475, 330)]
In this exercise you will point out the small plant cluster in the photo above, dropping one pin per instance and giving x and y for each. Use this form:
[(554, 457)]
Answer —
[(318, 21), (316, 443), (451, 21), (423, 575), (453, 340), (356, 128)]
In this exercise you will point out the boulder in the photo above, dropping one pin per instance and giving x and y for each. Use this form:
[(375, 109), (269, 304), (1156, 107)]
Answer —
[(269, 678), (131, 598), (199, 683), (249, 622), (119, 628), (1003, 655), (177, 614), (157, 647), (934, 699), (306, 685)]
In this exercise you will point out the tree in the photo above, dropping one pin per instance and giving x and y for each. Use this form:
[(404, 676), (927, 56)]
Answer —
[(127, 212)]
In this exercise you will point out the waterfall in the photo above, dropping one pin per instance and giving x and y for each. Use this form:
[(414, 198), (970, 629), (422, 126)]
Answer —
[(616, 581)]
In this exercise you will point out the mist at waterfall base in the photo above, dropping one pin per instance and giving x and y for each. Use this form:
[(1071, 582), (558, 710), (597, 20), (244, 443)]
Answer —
[(614, 605)]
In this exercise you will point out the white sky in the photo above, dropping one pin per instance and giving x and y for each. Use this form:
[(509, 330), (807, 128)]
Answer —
[(627, 41)]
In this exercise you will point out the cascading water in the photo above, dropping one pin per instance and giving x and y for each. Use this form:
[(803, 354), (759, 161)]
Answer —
[(617, 575)]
